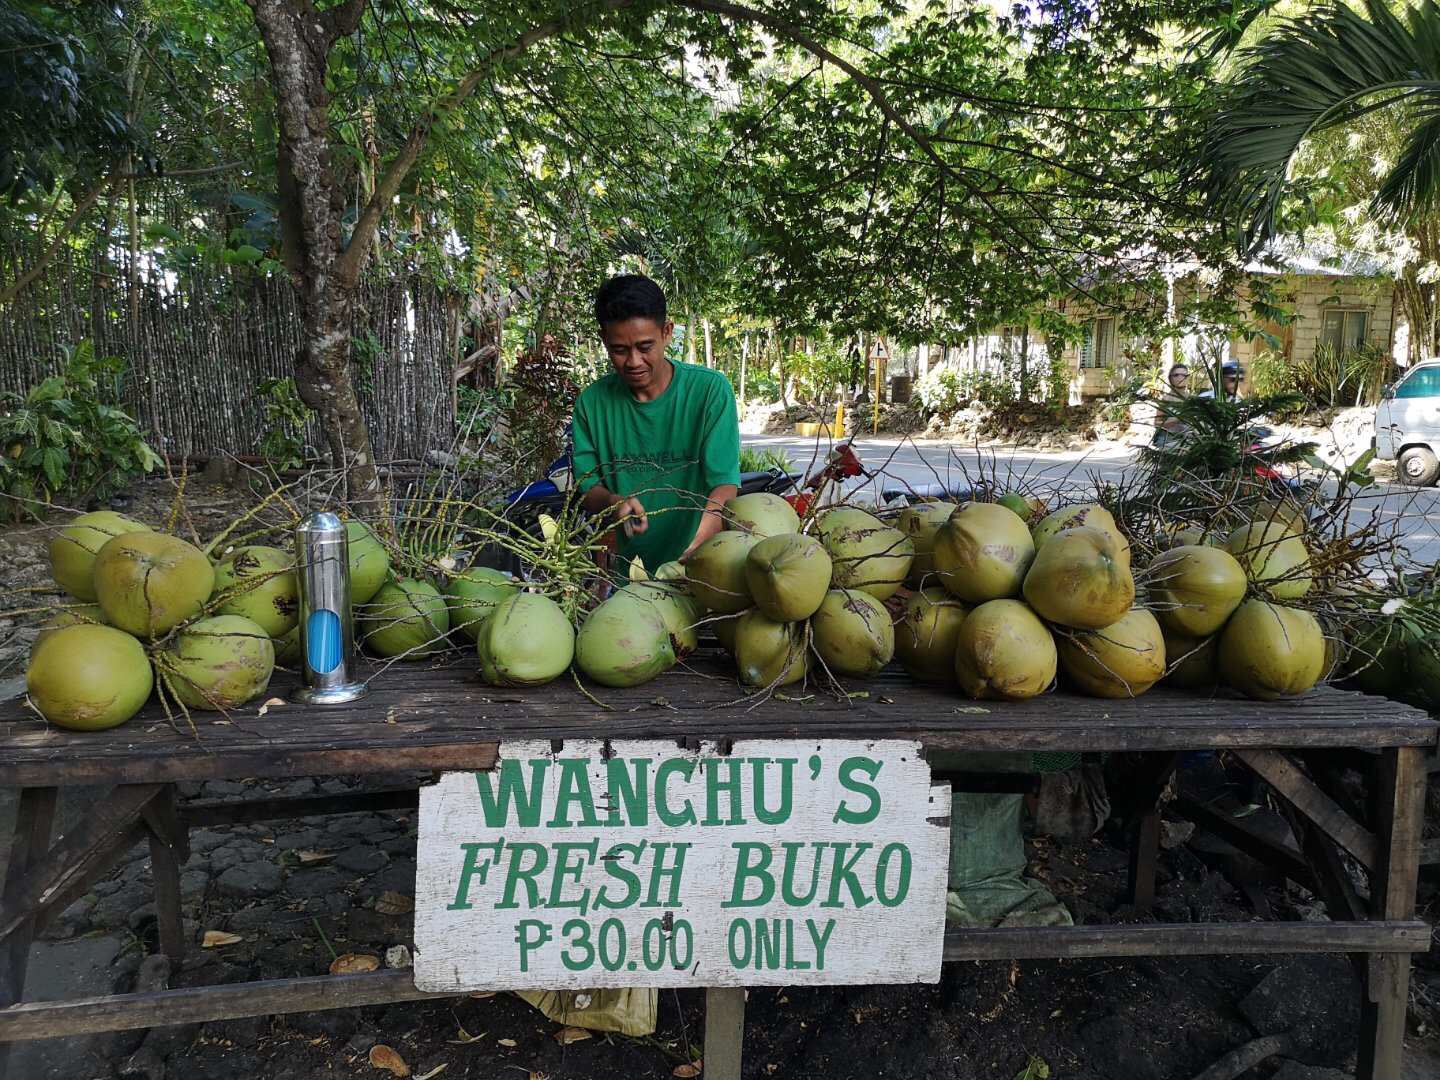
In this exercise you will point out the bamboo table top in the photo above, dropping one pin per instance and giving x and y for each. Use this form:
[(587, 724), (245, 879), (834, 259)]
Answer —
[(441, 716)]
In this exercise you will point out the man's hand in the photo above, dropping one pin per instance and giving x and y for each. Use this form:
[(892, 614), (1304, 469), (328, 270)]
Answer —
[(629, 513)]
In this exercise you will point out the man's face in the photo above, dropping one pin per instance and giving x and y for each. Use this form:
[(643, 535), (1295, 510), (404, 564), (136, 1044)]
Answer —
[(1179, 376), (1232, 383), (637, 349)]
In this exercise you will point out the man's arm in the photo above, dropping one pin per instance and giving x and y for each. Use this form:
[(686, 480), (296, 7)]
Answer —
[(712, 520), (585, 465)]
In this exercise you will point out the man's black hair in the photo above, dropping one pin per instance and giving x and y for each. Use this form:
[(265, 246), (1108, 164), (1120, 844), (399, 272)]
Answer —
[(629, 296)]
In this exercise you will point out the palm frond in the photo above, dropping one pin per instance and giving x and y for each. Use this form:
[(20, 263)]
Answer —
[(1313, 73)]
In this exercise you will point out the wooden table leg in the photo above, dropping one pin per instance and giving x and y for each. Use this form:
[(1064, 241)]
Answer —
[(34, 818), (169, 849), (1400, 790), (1144, 809), (724, 1032)]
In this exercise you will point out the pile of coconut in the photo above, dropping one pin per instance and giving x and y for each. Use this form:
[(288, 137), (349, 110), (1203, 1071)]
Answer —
[(998, 607)]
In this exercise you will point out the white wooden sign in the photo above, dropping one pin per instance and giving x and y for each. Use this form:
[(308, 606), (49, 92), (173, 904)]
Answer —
[(781, 863)]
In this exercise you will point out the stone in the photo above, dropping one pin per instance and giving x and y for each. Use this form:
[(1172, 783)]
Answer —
[(401, 845), (114, 910), (250, 880), (141, 915), (203, 840), (1315, 1000), (245, 1031), (251, 919), (360, 1043), (193, 885), (223, 789), (308, 839), (362, 859), (318, 881)]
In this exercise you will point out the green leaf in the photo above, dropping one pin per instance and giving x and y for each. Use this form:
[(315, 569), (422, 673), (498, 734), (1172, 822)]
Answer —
[(1035, 1069), (54, 461)]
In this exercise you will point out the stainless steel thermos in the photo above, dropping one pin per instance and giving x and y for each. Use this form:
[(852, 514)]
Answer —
[(327, 626)]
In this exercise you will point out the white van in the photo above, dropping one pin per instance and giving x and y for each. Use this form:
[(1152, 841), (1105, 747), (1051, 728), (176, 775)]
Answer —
[(1407, 424)]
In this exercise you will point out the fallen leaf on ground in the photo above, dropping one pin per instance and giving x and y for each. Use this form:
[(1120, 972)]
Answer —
[(436, 1071), (686, 1071), (394, 903), (383, 1057), (481, 995), (507, 1042), (567, 1035), (266, 707), (1035, 1069), (465, 1038), (214, 939), (354, 964), (308, 857)]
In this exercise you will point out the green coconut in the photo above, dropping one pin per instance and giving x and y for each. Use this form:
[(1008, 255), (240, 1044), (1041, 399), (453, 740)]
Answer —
[(369, 562), (716, 571), (1273, 557), (927, 634), (528, 641), (1378, 660), (1268, 651), (920, 523), (982, 552), (624, 642), (865, 553), (89, 678), (287, 649), (474, 594), (73, 549), (852, 633), (407, 620), (1016, 502), (258, 583), (1069, 517), (1123, 660), (78, 615), (1423, 655), (148, 583), (680, 611), (724, 630), (218, 663), (769, 653), (761, 514), (1004, 651), (1190, 661), (788, 575), (671, 571), (1197, 588), (1081, 578)]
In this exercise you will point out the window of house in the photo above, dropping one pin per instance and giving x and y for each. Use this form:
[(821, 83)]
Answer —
[(1422, 383), (1343, 330), (1097, 350)]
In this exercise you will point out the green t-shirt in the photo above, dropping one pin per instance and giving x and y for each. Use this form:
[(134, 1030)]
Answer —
[(669, 453)]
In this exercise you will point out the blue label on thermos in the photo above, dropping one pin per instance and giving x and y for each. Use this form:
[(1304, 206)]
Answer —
[(322, 641)]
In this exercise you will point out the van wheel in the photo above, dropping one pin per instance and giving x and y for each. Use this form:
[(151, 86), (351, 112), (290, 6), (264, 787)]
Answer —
[(1418, 466)]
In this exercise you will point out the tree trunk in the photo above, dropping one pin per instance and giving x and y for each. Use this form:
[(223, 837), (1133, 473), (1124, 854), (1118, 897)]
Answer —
[(744, 360), (709, 356), (1025, 364), (298, 40)]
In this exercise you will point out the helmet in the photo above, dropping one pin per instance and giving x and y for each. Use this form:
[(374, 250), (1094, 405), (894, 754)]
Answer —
[(1231, 368)]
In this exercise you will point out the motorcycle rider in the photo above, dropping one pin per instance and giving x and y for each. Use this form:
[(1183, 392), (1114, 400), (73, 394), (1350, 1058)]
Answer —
[(1230, 374)]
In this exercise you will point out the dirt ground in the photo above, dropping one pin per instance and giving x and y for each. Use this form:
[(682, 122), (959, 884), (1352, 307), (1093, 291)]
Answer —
[(1149, 1019)]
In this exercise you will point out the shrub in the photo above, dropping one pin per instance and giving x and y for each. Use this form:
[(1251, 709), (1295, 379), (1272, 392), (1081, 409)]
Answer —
[(68, 437), (944, 389), (283, 444), (755, 460)]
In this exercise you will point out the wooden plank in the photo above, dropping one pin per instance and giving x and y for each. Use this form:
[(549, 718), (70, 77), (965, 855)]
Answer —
[(1305, 795), (34, 818), (169, 848), (1184, 939), (724, 1032), (1259, 847), (434, 718), (240, 811), (1149, 780), (83, 1016), (94, 840), (1400, 789)]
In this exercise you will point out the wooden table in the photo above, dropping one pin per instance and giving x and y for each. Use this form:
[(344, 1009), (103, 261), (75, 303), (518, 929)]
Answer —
[(440, 719)]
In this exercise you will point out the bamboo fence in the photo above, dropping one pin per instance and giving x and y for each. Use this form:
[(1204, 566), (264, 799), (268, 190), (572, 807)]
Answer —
[(198, 344)]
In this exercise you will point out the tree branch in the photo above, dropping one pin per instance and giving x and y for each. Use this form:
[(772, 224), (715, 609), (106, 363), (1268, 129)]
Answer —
[(388, 186), (342, 20), (81, 209)]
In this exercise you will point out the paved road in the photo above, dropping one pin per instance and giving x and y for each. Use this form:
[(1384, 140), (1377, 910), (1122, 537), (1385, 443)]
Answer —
[(1413, 514)]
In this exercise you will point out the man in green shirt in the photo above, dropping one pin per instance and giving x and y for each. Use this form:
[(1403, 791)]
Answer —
[(656, 442)]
